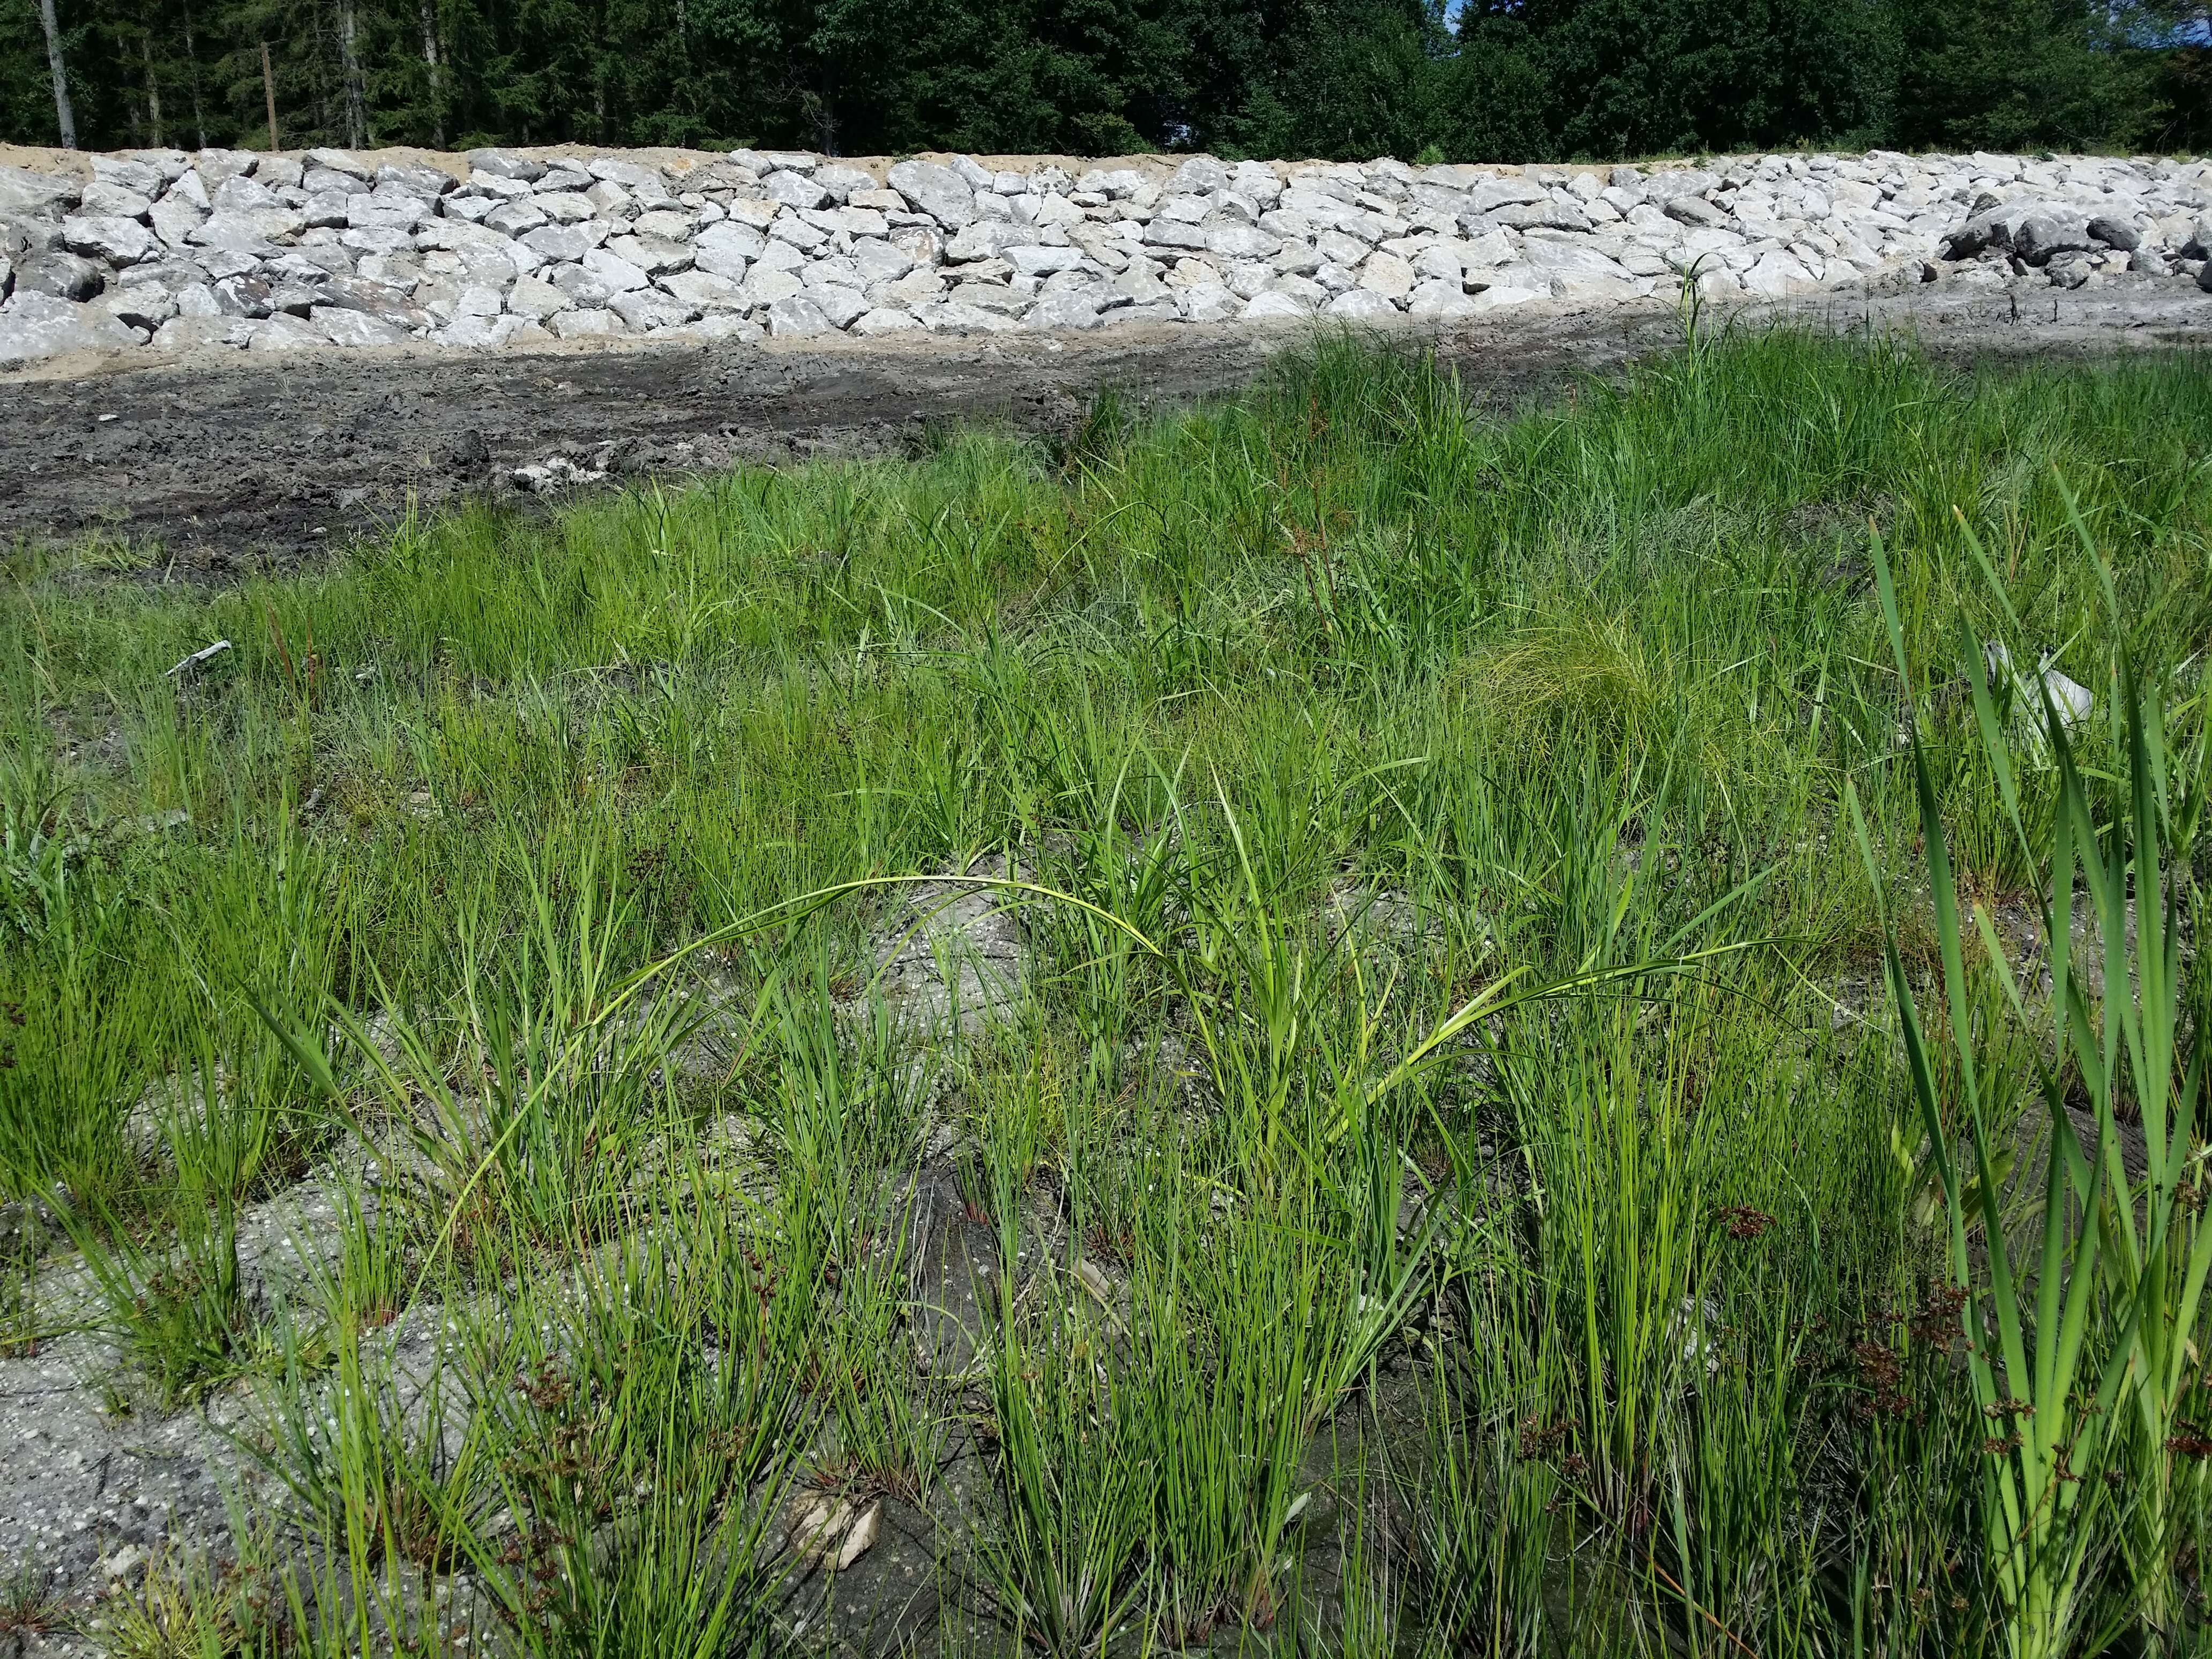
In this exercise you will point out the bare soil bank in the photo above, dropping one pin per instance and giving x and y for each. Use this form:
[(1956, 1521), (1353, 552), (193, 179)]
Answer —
[(229, 464)]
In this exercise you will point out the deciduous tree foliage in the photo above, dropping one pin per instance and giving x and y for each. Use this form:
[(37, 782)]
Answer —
[(1500, 80)]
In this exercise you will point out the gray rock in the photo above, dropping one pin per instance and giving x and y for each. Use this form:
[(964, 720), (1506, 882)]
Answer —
[(507, 218), (646, 308), (1174, 234), (1043, 261), (141, 177), (2040, 235), (630, 175), (1069, 309), (1275, 307), (986, 238), (842, 182), (383, 301), (1694, 210), (415, 179), (479, 333), (839, 304), (2204, 278), (797, 317), (190, 332), (618, 274), (343, 327), (535, 300), (35, 325), (1491, 194), (1359, 305), (28, 195), (243, 296), (2115, 234), (879, 261), (584, 289), (342, 161), (564, 244), (241, 194), (190, 190), (610, 201), (795, 190), (586, 323), (883, 321), (701, 290), (651, 254), (1547, 215), (59, 275), (234, 233), (505, 164), (142, 304), (1199, 175), (957, 317), (936, 190), (104, 200), (119, 240), (724, 326), (727, 248), (1239, 241)]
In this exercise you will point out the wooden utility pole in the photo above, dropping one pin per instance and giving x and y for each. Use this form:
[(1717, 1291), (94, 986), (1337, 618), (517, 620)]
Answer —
[(268, 95)]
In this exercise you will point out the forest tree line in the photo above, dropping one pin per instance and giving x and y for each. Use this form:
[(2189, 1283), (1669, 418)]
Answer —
[(1498, 80)]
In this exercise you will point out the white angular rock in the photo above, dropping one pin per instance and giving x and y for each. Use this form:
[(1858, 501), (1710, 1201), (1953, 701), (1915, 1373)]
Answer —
[(36, 325), (354, 328), (630, 175), (285, 332), (479, 333), (104, 200), (766, 285), (797, 317), (646, 309), (535, 300), (119, 240), (702, 290), (729, 244), (936, 190), (591, 322), (841, 306), (883, 321), (1359, 305), (1209, 302), (618, 274), (564, 244), (1043, 261), (1440, 298), (795, 190), (1275, 307), (1387, 275), (505, 164)]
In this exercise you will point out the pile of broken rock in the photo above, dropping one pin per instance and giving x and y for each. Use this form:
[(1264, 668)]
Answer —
[(160, 248)]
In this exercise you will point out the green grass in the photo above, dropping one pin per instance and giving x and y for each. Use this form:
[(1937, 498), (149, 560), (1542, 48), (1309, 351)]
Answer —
[(1452, 1176)]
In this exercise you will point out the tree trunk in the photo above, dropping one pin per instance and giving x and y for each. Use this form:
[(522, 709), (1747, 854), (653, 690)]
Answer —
[(430, 61), (64, 116), (192, 62), (153, 88), (356, 112)]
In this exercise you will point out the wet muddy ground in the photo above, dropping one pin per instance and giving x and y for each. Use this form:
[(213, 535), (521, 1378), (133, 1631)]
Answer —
[(224, 462)]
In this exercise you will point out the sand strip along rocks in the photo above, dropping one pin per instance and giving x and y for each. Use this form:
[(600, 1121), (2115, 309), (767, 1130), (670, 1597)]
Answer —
[(160, 251)]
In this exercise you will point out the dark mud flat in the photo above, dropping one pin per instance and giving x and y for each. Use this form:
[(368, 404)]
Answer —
[(227, 463)]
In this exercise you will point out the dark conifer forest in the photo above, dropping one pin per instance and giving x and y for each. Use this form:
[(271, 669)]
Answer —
[(1494, 80)]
